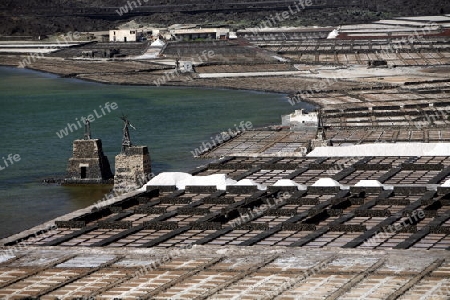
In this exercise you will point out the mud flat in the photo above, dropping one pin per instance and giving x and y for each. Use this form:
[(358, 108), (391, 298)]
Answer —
[(128, 72)]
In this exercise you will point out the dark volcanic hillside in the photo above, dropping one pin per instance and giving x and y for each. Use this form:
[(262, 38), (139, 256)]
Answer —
[(35, 17)]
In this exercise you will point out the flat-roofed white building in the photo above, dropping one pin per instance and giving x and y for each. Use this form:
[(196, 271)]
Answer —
[(201, 33), (125, 35), (300, 120)]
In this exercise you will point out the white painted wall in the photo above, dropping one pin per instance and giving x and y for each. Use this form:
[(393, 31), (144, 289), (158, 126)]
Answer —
[(124, 35)]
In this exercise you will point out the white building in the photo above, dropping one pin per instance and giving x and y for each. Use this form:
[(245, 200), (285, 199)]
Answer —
[(201, 33), (300, 120), (125, 35)]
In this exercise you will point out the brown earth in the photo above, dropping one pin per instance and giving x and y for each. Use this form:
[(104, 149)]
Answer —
[(142, 73)]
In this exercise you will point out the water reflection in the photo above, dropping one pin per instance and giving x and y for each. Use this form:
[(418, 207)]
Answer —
[(83, 195)]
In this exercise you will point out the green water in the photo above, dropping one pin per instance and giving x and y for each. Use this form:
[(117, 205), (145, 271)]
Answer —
[(172, 122)]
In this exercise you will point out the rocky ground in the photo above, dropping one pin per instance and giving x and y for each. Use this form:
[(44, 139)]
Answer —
[(33, 18)]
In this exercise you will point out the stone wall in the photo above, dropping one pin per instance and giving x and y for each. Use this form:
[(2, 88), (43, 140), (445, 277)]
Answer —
[(88, 162), (133, 168)]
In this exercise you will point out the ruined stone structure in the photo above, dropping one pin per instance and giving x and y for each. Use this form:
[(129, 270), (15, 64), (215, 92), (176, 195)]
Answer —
[(88, 164), (320, 140), (133, 168)]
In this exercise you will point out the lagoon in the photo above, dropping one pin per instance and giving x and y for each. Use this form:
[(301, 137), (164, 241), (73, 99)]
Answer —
[(171, 121)]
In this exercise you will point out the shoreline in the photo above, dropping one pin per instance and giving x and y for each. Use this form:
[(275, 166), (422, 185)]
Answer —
[(136, 73), (295, 89), (286, 94), (61, 75)]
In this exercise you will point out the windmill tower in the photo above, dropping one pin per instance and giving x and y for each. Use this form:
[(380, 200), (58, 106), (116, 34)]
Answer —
[(133, 165), (320, 140), (88, 163), (126, 140)]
